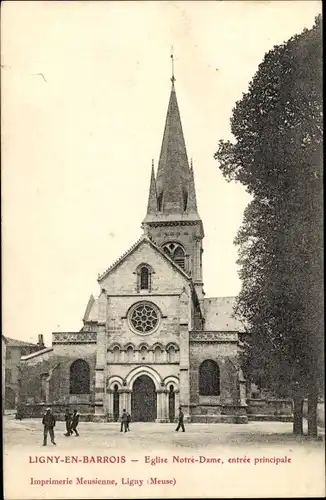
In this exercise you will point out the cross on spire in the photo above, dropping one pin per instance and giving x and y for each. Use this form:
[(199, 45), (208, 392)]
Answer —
[(172, 62)]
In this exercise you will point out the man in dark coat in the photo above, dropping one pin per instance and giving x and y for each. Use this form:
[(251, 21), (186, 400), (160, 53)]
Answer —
[(180, 420), (68, 422), (75, 422), (124, 421), (128, 420), (48, 422)]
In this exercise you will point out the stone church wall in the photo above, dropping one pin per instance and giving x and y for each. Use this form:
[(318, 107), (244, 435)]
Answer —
[(118, 328), (55, 366), (227, 404)]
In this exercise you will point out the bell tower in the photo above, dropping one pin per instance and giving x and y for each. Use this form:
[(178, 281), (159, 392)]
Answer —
[(172, 220)]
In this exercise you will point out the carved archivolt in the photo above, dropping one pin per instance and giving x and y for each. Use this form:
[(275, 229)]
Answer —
[(114, 380)]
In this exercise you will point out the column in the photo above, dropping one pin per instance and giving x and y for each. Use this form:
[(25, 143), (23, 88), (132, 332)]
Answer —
[(99, 392), (125, 400), (128, 400), (184, 395), (109, 395), (166, 402), (162, 415), (177, 403), (185, 315), (100, 358)]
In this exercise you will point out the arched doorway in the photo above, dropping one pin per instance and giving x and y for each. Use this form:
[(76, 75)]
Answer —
[(143, 400), (116, 401)]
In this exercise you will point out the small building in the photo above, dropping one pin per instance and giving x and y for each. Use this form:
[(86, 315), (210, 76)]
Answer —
[(14, 350)]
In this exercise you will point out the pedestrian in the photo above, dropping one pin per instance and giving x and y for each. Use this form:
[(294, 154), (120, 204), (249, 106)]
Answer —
[(75, 422), (180, 420), (68, 422), (48, 422), (124, 421), (128, 421), (20, 412)]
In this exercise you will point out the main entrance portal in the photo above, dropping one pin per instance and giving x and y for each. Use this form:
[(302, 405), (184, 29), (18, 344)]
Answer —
[(143, 400)]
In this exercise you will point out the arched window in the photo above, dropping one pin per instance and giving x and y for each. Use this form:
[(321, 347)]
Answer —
[(172, 355), (79, 377), (157, 354), (116, 354), (209, 378), (143, 353), (179, 257), (130, 354), (176, 253), (144, 278)]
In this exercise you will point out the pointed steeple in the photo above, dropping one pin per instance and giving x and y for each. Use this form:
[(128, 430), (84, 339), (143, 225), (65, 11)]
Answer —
[(192, 199), (173, 169), (174, 188), (152, 197)]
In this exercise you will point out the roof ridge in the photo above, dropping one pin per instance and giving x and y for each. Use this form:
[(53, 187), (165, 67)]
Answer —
[(102, 275), (37, 353), (21, 342), (144, 237)]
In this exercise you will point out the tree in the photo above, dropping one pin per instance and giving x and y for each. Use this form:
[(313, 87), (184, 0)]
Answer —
[(277, 155)]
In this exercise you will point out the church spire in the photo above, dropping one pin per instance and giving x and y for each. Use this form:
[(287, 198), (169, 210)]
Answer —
[(173, 169), (152, 197), (172, 194)]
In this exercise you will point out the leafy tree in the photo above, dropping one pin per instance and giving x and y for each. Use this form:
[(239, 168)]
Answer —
[(277, 155)]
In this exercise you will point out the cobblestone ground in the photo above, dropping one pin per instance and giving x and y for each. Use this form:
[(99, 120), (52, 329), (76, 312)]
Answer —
[(27, 434)]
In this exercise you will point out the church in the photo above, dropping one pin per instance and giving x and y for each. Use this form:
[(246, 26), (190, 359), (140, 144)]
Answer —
[(151, 342)]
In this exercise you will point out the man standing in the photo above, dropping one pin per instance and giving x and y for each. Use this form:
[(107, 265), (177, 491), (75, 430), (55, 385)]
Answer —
[(180, 420), (68, 422), (48, 422), (75, 422), (124, 421), (128, 420)]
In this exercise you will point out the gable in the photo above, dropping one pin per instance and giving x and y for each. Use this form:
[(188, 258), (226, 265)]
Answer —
[(165, 276)]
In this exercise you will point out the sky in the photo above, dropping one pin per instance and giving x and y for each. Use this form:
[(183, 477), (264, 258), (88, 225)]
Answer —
[(85, 89)]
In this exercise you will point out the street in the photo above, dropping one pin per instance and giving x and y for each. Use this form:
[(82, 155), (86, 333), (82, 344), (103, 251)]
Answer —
[(258, 459), (28, 433)]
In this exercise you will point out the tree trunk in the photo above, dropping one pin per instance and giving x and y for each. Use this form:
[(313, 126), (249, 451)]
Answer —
[(298, 416), (312, 415)]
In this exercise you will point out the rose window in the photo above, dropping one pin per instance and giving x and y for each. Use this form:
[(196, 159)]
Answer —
[(144, 318)]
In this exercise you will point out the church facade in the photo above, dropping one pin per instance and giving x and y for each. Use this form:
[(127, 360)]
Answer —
[(151, 341)]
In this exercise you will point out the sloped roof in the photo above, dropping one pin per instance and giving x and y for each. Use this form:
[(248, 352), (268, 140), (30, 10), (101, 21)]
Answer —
[(219, 315), (37, 353), (18, 343), (143, 239), (91, 313), (88, 307)]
